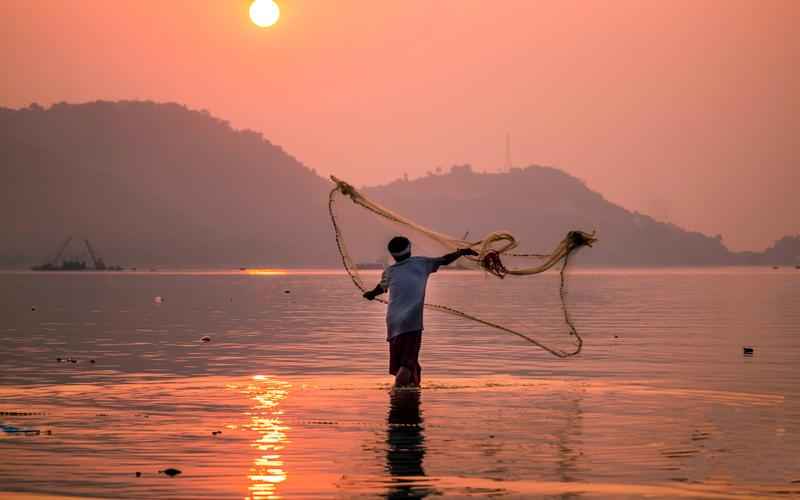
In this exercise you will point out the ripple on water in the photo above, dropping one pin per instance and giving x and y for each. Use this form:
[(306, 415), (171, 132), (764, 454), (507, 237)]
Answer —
[(660, 403), (354, 435)]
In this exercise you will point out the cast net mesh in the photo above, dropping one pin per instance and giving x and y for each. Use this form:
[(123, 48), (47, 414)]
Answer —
[(495, 253)]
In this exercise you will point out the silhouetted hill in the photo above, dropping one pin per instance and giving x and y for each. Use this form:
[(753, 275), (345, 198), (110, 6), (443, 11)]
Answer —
[(154, 183), (161, 184), (785, 251), (539, 205)]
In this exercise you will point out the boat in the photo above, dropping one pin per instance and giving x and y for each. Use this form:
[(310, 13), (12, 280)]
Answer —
[(74, 264), (371, 265), (66, 265)]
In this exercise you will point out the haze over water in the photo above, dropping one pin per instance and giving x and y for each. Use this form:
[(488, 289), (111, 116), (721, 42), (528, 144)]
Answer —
[(661, 402)]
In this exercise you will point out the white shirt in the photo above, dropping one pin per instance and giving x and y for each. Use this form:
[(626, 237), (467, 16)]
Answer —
[(406, 282)]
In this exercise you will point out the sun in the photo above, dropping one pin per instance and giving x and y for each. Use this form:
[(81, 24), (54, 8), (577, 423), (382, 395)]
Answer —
[(264, 13)]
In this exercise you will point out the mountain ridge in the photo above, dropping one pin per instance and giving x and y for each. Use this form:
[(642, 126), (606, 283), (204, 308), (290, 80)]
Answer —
[(159, 183)]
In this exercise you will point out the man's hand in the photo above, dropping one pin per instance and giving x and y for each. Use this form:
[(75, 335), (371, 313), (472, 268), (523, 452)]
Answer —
[(448, 259)]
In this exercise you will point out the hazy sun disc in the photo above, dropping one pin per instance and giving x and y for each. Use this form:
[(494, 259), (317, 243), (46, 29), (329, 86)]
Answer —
[(264, 13)]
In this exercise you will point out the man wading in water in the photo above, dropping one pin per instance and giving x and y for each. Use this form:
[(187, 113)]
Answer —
[(405, 280)]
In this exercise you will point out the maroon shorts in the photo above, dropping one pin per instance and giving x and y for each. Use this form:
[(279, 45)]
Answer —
[(404, 351)]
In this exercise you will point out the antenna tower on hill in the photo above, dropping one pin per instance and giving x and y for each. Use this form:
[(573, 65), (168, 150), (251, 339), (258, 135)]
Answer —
[(509, 165)]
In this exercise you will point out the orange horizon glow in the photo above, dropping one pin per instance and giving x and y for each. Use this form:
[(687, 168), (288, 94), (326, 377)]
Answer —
[(266, 272)]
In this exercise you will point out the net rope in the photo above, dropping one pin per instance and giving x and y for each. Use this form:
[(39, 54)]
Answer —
[(491, 250)]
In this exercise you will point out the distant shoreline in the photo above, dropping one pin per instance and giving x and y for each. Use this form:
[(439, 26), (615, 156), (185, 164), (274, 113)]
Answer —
[(308, 270)]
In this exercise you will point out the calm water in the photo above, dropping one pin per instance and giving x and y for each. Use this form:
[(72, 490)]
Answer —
[(661, 403)]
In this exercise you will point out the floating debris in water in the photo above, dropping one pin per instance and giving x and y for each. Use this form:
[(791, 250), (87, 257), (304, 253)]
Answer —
[(287, 291), (138, 474), (215, 433), (158, 299), (91, 361), (170, 472), (10, 429), (33, 308), (748, 350), (206, 339)]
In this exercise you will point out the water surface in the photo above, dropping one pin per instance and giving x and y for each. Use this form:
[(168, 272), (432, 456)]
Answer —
[(661, 403)]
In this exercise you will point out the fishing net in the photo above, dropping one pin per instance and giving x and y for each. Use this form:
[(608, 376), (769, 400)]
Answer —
[(496, 252)]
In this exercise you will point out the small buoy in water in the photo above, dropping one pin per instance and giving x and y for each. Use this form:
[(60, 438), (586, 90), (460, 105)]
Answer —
[(138, 474), (59, 360), (91, 361), (33, 308), (287, 291), (747, 350), (616, 336), (775, 267), (214, 433), (158, 299), (206, 339), (170, 472)]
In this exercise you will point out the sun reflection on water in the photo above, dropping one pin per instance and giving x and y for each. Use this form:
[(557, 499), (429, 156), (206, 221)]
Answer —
[(268, 470), (266, 272)]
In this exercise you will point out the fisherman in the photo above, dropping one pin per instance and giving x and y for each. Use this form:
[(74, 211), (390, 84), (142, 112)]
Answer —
[(405, 280)]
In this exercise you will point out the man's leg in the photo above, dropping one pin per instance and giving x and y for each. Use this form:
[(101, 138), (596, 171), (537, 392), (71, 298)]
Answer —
[(417, 345), (404, 378), (410, 360), (398, 348), (404, 359)]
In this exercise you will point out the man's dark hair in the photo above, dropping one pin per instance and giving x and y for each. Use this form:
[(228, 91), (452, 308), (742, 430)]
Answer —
[(397, 244)]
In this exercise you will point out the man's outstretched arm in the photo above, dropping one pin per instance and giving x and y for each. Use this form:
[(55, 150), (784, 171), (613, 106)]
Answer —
[(452, 257), (371, 294)]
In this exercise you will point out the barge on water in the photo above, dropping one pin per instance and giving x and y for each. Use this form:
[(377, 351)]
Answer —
[(74, 264)]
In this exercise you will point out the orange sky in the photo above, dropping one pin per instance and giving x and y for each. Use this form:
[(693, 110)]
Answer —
[(686, 110)]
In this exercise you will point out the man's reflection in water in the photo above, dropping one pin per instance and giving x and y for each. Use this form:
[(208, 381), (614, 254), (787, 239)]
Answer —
[(405, 445), (568, 443)]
